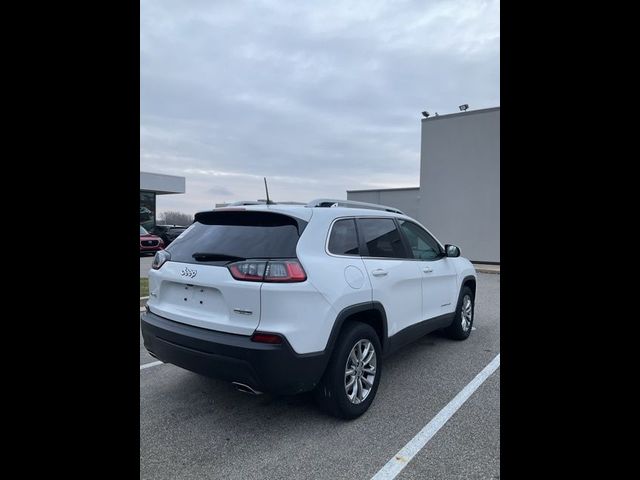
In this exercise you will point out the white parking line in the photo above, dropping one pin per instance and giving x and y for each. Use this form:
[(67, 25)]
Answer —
[(400, 460), (142, 309), (149, 365)]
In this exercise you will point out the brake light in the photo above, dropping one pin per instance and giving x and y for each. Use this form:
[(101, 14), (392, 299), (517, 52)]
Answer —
[(271, 338), (281, 271)]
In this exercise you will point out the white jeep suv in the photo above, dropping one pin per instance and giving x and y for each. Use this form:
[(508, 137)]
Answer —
[(291, 298)]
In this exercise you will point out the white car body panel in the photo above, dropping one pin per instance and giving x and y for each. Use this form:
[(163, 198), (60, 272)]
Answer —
[(439, 286), (398, 289), (214, 286), (305, 312), (314, 314)]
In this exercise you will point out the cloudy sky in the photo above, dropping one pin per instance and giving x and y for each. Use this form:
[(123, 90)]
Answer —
[(319, 97)]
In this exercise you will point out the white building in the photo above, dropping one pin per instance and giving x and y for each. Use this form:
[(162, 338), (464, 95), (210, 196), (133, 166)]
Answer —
[(458, 199), (152, 184)]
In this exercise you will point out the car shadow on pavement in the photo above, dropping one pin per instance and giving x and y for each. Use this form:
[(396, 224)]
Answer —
[(205, 395)]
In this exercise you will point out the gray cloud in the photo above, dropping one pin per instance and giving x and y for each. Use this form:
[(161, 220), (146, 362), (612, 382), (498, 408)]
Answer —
[(220, 190), (319, 99)]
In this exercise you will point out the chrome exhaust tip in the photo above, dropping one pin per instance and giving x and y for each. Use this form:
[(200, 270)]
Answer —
[(241, 387)]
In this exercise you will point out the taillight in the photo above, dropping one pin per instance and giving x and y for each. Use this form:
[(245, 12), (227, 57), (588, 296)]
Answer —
[(249, 271), (160, 259), (283, 271), (271, 338)]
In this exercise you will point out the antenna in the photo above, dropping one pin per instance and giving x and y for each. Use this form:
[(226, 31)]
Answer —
[(269, 202)]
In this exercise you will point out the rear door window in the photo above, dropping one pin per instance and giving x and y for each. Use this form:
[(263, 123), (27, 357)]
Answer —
[(237, 235), (381, 238)]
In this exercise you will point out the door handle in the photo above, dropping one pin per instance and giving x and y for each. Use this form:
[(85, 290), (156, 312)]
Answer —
[(379, 272), (427, 270)]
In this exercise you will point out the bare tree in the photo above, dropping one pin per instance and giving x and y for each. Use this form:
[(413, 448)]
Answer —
[(175, 218)]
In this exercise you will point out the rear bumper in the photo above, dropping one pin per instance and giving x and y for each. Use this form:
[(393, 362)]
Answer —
[(235, 358)]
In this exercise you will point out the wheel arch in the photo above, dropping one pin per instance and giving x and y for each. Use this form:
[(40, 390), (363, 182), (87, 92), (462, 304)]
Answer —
[(371, 313), (468, 281)]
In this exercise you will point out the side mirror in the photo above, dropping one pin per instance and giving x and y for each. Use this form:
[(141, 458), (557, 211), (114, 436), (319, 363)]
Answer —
[(452, 251)]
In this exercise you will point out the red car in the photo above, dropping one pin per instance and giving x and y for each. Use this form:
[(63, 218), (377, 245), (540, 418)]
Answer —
[(149, 243)]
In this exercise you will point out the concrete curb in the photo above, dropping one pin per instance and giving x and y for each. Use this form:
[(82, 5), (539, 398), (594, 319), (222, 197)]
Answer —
[(486, 270)]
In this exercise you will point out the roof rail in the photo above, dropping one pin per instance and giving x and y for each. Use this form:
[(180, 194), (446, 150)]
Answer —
[(330, 202), (260, 202), (246, 202)]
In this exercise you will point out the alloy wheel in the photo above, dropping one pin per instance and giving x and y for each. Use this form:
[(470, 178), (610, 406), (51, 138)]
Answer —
[(360, 371)]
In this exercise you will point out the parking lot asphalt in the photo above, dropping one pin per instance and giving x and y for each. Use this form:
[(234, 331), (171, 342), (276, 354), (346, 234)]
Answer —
[(195, 427)]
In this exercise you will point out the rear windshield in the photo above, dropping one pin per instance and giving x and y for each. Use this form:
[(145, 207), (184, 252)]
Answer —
[(237, 235)]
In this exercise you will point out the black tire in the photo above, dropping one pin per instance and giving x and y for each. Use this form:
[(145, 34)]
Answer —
[(330, 394), (456, 331)]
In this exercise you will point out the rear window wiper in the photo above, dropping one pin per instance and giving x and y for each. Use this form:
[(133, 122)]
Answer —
[(209, 257)]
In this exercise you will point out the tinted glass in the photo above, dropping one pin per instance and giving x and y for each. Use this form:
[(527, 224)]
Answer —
[(234, 234), (147, 209), (343, 239), (175, 232), (423, 246), (382, 237)]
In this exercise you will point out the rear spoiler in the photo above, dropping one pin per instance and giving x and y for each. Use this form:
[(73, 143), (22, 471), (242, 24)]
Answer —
[(240, 216)]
